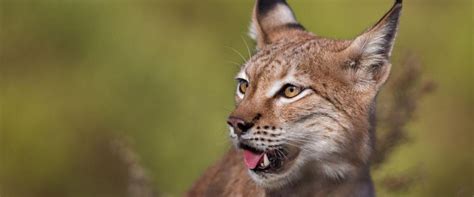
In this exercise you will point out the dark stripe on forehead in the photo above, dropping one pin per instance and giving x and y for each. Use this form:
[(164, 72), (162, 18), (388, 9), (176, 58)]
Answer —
[(261, 69), (259, 65), (277, 68), (284, 72)]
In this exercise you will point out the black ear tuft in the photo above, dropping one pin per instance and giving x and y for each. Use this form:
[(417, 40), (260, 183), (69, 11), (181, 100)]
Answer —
[(271, 21), (382, 35), (263, 6)]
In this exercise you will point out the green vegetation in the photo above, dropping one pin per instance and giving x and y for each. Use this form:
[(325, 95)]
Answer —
[(75, 74)]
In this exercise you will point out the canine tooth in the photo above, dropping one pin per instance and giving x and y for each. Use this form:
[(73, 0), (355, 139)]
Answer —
[(266, 162)]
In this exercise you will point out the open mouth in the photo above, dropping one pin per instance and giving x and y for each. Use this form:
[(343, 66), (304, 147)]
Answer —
[(269, 161)]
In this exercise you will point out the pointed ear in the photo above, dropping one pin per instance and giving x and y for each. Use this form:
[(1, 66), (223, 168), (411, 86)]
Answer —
[(370, 52), (272, 20)]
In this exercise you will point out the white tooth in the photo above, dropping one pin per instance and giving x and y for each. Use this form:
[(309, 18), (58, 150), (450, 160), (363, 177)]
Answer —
[(266, 162)]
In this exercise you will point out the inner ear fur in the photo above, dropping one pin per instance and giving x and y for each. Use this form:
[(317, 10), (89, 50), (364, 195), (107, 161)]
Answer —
[(370, 52)]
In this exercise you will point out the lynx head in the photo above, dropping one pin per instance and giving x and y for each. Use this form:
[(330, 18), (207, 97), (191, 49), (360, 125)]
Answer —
[(305, 102)]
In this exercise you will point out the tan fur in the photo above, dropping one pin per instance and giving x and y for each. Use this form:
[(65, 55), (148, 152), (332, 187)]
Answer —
[(328, 129)]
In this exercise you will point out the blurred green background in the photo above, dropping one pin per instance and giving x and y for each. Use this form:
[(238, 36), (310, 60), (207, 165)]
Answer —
[(75, 74)]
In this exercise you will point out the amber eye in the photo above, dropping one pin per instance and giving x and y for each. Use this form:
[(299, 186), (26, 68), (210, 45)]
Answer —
[(290, 91), (243, 85)]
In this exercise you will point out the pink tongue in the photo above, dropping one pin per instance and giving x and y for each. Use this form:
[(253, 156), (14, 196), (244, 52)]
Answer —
[(252, 159)]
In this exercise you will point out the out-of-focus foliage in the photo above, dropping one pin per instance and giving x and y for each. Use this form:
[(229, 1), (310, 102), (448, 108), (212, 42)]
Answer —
[(74, 75)]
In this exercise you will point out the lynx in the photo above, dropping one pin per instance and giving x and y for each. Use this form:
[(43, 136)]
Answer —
[(303, 123)]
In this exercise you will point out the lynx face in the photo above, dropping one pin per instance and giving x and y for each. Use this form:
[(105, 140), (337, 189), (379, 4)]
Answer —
[(304, 103)]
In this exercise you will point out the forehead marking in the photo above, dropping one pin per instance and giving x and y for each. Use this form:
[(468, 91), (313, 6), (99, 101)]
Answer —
[(278, 84)]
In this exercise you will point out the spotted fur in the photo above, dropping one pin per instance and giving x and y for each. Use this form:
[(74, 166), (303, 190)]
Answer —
[(329, 124)]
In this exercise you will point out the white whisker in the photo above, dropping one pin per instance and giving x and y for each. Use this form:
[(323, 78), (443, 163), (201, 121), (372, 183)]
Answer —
[(247, 46), (240, 54)]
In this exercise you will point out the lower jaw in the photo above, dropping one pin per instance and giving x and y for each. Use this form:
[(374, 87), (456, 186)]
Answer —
[(270, 170), (271, 181), (280, 168)]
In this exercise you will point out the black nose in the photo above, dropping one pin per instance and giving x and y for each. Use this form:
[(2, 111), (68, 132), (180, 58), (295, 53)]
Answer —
[(239, 125)]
